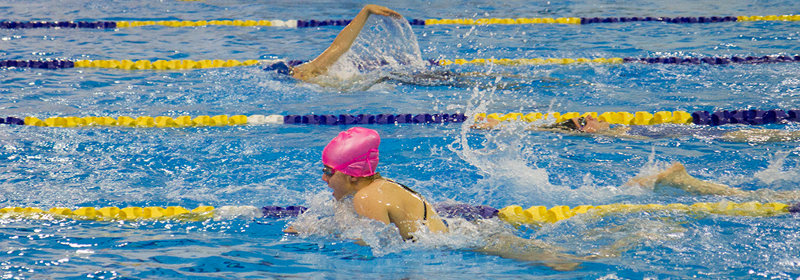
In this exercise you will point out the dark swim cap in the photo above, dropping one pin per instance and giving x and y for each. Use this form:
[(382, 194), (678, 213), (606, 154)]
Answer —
[(567, 125), (279, 67)]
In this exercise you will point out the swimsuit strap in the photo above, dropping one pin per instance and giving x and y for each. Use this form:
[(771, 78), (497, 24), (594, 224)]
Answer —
[(424, 205)]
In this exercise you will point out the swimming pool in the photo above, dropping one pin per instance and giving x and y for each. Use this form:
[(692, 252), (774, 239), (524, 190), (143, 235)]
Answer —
[(280, 164)]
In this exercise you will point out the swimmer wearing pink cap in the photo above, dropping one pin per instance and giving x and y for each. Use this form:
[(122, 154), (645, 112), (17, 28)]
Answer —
[(350, 162)]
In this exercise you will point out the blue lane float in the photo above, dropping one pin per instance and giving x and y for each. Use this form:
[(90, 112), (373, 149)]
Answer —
[(40, 64), (58, 24), (346, 119), (749, 117), (12, 121), (714, 60), (712, 19), (343, 22), (282, 212), (465, 211)]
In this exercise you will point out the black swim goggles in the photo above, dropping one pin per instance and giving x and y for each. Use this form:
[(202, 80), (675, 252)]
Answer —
[(328, 171), (581, 123), (576, 125)]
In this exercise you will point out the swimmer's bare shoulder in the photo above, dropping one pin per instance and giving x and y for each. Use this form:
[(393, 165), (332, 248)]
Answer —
[(372, 202)]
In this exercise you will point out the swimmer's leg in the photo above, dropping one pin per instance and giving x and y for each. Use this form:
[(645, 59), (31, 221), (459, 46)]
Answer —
[(514, 247), (676, 176), (768, 194), (761, 135)]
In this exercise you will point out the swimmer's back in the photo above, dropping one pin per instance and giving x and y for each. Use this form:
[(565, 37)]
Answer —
[(403, 208)]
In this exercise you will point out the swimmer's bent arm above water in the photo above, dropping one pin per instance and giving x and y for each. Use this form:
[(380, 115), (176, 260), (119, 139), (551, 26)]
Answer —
[(341, 44)]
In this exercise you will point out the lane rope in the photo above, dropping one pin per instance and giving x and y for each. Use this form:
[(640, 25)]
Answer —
[(225, 120), (516, 215), (723, 117), (127, 64), (618, 60), (626, 118), (295, 23), (184, 64), (512, 214), (465, 211)]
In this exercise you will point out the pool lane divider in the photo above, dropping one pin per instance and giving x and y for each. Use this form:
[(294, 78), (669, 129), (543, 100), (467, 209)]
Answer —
[(185, 64), (752, 117), (225, 120), (513, 214), (722, 117), (618, 60), (536, 215), (128, 64), (416, 22)]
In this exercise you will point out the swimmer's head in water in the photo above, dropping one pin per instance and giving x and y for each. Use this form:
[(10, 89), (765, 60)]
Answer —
[(353, 152), (586, 124), (279, 67), (283, 67), (573, 124)]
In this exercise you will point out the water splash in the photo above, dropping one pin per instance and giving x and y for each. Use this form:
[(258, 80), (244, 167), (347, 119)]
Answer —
[(649, 169), (328, 218), (776, 173), (385, 45), (384, 42), (513, 162), (495, 158)]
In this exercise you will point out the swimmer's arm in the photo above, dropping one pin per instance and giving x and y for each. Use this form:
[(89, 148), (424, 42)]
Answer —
[(490, 123), (496, 74), (341, 44), (291, 230), (622, 132), (484, 123), (761, 135)]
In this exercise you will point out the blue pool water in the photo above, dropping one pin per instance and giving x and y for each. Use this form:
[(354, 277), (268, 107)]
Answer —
[(280, 164)]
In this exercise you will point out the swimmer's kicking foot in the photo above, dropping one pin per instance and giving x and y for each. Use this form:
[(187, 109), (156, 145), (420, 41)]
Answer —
[(676, 176), (672, 176)]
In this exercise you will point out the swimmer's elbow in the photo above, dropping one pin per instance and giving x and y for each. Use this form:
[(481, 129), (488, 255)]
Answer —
[(299, 75)]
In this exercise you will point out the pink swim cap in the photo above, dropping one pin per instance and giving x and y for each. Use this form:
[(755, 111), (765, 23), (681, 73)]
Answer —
[(353, 152)]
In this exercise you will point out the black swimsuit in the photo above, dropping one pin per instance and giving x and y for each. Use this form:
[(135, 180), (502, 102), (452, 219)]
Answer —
[(424, 205)]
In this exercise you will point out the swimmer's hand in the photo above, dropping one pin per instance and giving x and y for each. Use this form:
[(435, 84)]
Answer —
[(290, 230), (488, 124), (381, 10)]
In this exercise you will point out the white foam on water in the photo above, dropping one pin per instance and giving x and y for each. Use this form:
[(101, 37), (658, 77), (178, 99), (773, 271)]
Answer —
[(385, 44), (776, 172)]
